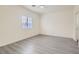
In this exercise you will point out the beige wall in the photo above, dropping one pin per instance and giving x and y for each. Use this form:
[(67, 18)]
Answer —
[(10, 24), (76, 9), (58, 23)]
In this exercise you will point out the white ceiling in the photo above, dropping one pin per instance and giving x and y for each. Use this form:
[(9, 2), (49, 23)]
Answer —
[(48, 8)]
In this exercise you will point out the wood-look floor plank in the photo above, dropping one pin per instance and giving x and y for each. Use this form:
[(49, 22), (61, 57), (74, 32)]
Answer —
[(42, 44)]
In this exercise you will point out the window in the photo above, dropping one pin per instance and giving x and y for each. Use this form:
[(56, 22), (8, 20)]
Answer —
[(26, 22)]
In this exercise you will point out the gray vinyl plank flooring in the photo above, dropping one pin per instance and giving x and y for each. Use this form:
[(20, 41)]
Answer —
[(42, 44)]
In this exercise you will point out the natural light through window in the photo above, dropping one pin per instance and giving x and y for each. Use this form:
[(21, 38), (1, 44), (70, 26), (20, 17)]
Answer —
[(26, 22)]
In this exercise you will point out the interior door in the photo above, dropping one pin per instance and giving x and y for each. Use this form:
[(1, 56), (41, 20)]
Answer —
[(77, 27)]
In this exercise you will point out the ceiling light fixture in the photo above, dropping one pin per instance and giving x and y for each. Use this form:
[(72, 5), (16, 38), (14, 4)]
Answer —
[(33, 5), (39, 6)]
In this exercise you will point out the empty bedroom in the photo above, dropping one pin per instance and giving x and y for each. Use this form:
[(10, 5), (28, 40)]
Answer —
[(39, 29)]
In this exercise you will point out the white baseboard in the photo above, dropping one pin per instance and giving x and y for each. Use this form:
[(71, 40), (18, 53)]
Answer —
[(14, 41), (58, 36)]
